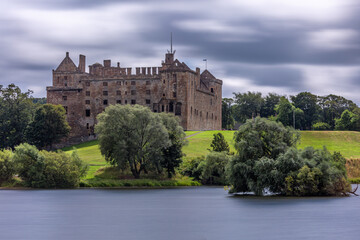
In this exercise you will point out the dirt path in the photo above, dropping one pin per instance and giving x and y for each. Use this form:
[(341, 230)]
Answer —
[(193, 134)]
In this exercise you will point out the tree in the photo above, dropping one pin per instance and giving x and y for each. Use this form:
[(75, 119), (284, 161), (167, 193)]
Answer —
[(15, 114), (270, 102), (219, 143), (228, 121), (307, 102), (7, 166), (42, 169), (285, 114), (132, 136), (332, 106), (48, 126), (172, 155), (248, 105), (267, 159), (348, 121), (256, 140), (213, 169)]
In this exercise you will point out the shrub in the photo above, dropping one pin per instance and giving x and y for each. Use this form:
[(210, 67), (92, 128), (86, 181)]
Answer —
[(219, 144), (7, 166), (213, 168), (321, 126), (193, 167), (42, 169)]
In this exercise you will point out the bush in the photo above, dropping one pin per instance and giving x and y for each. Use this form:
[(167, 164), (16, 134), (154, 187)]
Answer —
[(193, 167), (219, 144), (42, 169), (7, 166), (321, 126), (213, 168)]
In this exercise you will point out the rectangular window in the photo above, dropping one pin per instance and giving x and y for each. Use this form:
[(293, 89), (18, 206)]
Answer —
[(105, 102), (105, 84), (174, 94), (105, 93), (87, 84), (133, 83), (118, 92), (212, 90), (118, 101), (64, 98), (87, 125), (66, 109), (87, 93), (147, 101), (87, 101), (133, 101), (174, 77), (133, 92), (148, 92), (125, 92), (65, 77), (87, 112), (125, 101), (147, 82)]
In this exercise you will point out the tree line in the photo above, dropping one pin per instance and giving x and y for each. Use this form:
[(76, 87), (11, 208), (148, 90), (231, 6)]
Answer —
[(24, 119), (304, 111)]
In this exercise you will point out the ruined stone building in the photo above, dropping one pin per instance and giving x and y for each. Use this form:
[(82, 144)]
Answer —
[(174, 88)]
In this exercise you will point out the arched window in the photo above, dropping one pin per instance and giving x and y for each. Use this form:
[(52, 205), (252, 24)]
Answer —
[(178, 109)]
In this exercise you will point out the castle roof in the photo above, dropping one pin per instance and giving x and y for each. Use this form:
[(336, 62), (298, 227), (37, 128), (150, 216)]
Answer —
[(67, 65), (205, 78)]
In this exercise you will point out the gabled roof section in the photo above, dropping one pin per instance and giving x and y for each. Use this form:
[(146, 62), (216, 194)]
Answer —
[(177, 65), (67, 65), (206, 76)]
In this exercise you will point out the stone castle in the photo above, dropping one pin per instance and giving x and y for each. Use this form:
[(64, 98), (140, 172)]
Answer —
[(194, 97)]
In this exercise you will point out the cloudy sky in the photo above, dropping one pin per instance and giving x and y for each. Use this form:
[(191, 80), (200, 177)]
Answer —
[(282, 46)]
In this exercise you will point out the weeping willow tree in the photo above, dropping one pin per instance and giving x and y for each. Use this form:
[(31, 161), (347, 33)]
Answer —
[(267, 160)]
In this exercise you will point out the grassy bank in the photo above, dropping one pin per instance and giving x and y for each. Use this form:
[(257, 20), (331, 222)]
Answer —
[(346, 142)]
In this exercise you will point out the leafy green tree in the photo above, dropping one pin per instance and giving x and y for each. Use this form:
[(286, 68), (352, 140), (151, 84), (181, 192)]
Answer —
[(48, 126), (307, 102), (7, 166), (321, 126), (213, 168), (270, 102), (172, 155), (332, 106), (348, 121), (219, 144), (257, 139), (39, 100), (15, 113), (42, 169), (193, 167), (228, 120), (285, 114), (247, 105), (132, 136)]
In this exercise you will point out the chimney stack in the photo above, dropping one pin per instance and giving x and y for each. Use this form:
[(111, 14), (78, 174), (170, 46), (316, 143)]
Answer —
[(81, 63)]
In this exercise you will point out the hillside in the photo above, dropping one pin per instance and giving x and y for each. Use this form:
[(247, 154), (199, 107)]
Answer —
[(346, 142)]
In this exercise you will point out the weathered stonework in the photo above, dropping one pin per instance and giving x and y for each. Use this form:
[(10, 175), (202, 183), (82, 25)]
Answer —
[(174, 88)]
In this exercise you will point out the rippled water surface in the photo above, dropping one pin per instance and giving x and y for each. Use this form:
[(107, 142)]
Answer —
[(187, 213)]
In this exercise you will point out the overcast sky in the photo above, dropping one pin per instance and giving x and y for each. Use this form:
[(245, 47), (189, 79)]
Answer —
[(282, 46)]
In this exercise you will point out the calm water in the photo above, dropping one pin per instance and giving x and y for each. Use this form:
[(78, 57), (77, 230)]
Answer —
[(189, 213)]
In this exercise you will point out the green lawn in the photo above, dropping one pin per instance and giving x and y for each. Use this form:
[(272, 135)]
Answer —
[(200, 143), (346, 142)]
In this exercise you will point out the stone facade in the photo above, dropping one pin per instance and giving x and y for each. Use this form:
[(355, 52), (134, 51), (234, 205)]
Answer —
[(174, 88)]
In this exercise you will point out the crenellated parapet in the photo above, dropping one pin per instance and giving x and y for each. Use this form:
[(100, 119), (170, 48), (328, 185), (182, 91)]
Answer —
[(106, 70)]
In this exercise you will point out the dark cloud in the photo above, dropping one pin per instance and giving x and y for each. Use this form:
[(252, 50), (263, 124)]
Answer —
[(269, 47)]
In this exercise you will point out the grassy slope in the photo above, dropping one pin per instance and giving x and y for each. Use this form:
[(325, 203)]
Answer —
[(347, 142)]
